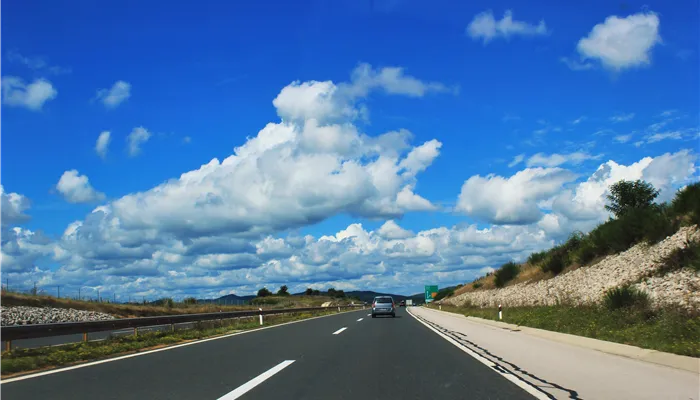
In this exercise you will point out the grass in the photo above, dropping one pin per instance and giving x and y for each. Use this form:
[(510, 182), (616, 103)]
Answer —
[(669, 330), (24, 360), (133, 310)]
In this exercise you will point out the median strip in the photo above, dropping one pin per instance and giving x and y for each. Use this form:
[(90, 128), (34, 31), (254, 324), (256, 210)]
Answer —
[(248, 386)]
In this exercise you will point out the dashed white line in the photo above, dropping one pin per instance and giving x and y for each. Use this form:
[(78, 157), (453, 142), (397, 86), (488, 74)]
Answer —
[(246, 387), (339, 330), (360, 319), (369, 315)]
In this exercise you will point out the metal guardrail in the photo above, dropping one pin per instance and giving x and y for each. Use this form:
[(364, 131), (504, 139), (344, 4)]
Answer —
[(17, 332)]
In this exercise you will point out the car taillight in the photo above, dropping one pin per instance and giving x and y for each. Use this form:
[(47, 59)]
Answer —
[(374, 305)]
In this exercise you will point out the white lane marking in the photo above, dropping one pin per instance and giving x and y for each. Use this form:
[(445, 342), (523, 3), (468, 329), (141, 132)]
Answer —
[(369, 315), (248, 386), (339, 330), (528, 388), (143, 353), (360, 319)]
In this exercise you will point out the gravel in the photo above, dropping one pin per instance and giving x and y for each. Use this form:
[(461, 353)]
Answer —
[(587, 285), (22, 315)]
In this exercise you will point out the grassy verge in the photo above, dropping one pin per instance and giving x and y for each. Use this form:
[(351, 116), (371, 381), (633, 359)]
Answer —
[(667, 330), (25, 360)]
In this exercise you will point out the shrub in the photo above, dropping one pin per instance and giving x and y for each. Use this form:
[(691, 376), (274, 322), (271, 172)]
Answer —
[(687, 202), (284, 291), (625, 297), (165, 302), (309, 292), (264, 292), (477, 285), (442, 293), (536, 258), (571, 246), (585, 252), (189, 300), (555, 262), (659, 224), (626, 196), (265, 300), (684, 257), (506, 273)]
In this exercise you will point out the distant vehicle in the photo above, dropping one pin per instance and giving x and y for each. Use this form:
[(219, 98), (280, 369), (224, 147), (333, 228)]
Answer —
[(383, 305), (409, 303), (402, 303)]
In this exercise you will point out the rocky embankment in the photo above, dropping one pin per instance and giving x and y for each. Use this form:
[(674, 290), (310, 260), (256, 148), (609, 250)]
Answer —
[(587, 285), (22, 315)]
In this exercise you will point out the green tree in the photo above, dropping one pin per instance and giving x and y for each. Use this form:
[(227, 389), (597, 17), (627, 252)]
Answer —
[(317, 292), (190, 300), (264, 292), (309, 292), (284, 291), (627, 195)]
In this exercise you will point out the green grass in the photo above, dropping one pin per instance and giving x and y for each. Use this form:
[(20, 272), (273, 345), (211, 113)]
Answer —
[(23, 360), (667, 330)]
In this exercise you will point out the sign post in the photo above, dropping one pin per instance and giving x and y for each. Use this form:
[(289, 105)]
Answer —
[(430, 292)]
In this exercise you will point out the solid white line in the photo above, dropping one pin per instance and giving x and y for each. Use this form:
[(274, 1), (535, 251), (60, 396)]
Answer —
[(360, 319), (528, 388), (143, 353), (339, 330), (246, 387)]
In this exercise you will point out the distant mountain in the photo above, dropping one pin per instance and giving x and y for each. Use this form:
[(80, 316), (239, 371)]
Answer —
[(231, 299)]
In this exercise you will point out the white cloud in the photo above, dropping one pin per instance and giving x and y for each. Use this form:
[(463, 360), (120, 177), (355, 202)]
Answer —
[(13, 207), (186, 139), (620, 43), (513, 200), (516, 160), (623, 138), (657, 137), (576, 65), (36, 63), (579, 120), (392, 231), (485, 27), (622, 117), (136, 138), (15, 92), (102, 144), (118, 93), (76, 188), (667, 113), (555, 159)]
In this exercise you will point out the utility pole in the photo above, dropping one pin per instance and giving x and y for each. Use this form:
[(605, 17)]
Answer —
[(98, 296), (79, 293), (34, 293), (114, 297), (7, 284), (59, 291)]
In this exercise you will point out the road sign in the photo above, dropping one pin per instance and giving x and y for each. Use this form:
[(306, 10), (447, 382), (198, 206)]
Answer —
[(430, 292)]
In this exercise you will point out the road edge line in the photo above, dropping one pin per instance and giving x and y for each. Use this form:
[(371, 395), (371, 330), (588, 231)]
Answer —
[(509, 376), (143, 353)]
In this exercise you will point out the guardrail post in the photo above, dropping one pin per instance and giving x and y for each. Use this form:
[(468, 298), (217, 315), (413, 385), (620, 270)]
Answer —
[(8, 345), (136, 331), (261, 321), (338, 308), (500, 312), (172, 327), (85, 337)]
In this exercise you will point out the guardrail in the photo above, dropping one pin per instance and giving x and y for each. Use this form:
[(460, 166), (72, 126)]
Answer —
[(17, 332)]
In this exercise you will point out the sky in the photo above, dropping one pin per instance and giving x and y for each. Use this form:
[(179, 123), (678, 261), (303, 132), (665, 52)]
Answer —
[(176, 150)]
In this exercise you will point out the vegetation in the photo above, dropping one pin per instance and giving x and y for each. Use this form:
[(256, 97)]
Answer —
[(506, 273), (336, 293), (284, 291), (477, 285), (264, 292), (625, 297), (444, 292), (684, 257), (626, 196), (23, 360), (670, 330), (687, 203)]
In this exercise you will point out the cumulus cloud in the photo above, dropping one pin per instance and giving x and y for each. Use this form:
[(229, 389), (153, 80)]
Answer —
[(391, 231), (76, 188), (136, 138), (102, 144), (485, 27), (117, 94), (17, 93), (13, 207), (620, 43), (555, 159), (512, 200)]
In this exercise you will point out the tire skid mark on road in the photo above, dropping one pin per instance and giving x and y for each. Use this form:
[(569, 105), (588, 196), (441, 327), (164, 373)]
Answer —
[(461, 338)]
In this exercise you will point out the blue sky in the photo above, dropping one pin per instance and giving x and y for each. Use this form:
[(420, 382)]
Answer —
[(491, 83)]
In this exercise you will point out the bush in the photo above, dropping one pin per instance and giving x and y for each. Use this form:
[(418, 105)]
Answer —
[(684, 257), (264, 292), (660, 224), (555, 262), (442, 293), (477, 285), (506, 273), (165, 302), (687, 202), (585, 252), (625, 297), (265, 300), (284, 291), (309, 292), (536, 258), (189, 300)]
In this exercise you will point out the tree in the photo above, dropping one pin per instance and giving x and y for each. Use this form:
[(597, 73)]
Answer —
[(309, 292), (284, 291), (190, 300), (627, 195), (264, 292), (317, 292), (331, 292)]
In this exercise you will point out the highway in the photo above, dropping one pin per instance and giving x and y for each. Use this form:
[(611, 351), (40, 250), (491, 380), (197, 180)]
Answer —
[(342, 356)]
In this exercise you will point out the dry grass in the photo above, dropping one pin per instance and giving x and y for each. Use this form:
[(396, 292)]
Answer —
[(528, 273), (138, 310)]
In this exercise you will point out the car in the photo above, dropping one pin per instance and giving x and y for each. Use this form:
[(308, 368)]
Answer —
[(383, 305), (402, 303)]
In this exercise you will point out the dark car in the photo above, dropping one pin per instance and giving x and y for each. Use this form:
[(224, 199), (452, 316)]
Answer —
[(383, 305), (402, 303)]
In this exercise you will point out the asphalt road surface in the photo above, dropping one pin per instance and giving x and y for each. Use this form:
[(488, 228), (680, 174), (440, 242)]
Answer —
[(344, 356)]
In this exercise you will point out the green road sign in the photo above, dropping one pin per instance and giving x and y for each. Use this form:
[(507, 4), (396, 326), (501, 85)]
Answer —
[(430, 292)]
